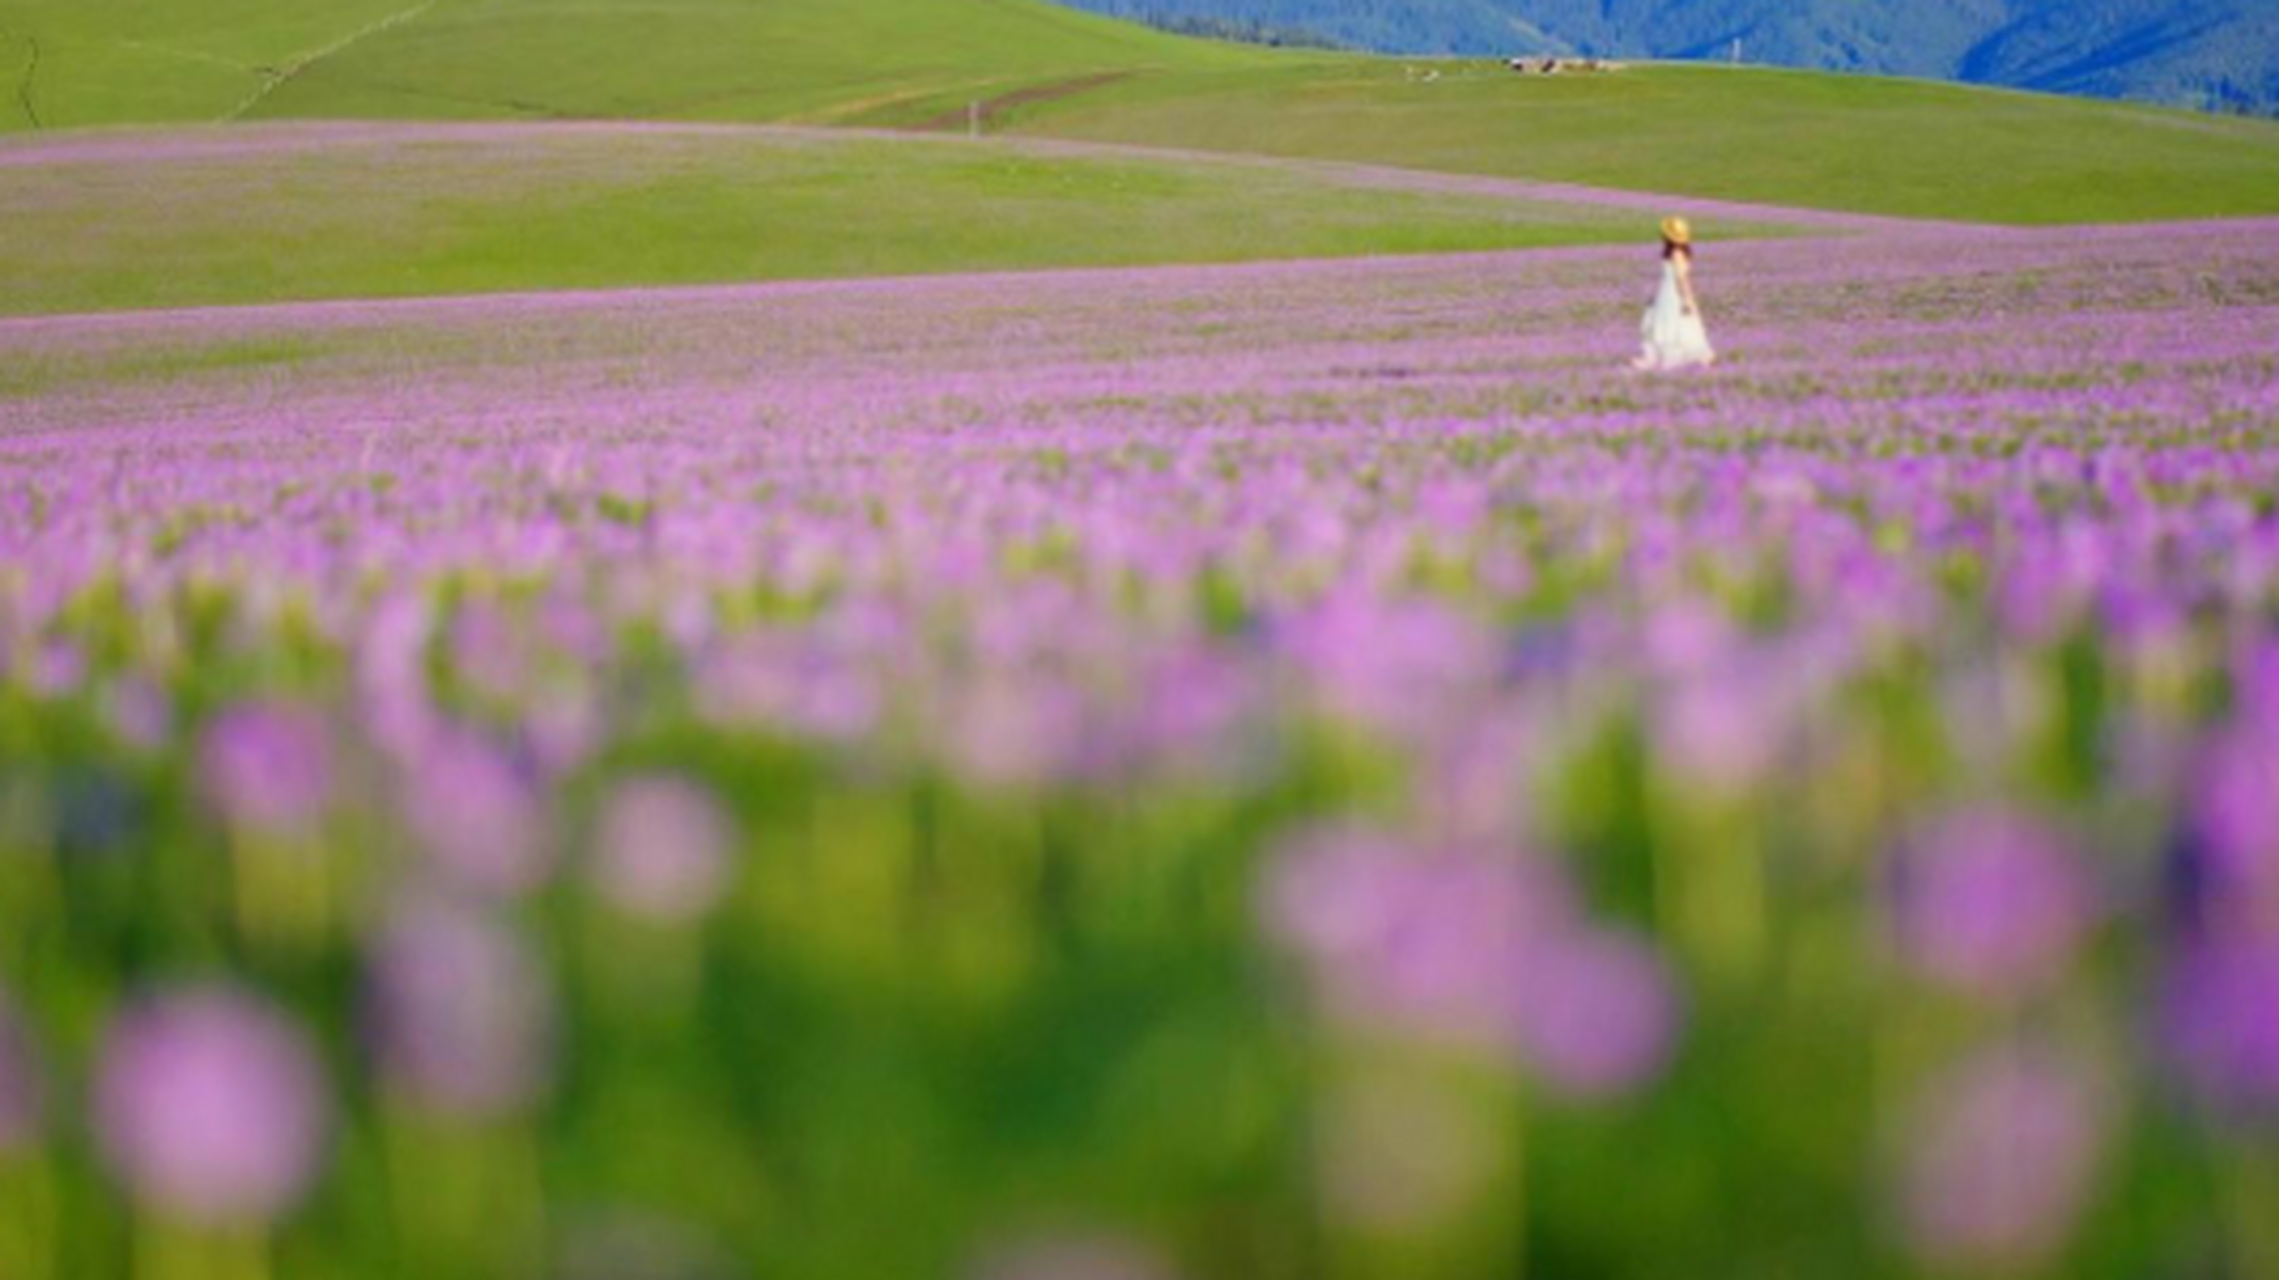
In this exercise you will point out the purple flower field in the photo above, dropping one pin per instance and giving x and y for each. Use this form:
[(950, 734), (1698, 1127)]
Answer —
[(1274, 771)]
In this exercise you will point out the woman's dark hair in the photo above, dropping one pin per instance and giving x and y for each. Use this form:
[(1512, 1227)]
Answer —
[(1671, 249)]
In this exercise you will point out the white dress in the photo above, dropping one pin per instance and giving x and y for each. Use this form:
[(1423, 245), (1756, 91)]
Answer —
[(1673, 339)]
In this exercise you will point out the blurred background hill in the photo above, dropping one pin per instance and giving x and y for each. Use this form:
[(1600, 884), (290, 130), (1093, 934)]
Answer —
[(2211, 54)]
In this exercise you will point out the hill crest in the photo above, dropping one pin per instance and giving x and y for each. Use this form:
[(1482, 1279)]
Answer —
[(2209, 54)]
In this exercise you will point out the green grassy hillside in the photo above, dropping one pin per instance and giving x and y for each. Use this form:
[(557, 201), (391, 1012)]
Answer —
[(121, 61), (270, 213), (1910, 148), (1833, 142), (82, 62)]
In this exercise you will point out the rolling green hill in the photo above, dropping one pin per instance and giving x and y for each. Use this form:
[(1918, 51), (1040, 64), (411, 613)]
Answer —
[(1848, 143), (131, 219), (1905, 147), (145, 61)]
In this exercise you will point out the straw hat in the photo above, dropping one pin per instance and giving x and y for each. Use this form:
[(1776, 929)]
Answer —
[(1677, 231)]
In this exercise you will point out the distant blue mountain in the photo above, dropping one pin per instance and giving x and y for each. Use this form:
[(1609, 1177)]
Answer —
[(2214, 54)]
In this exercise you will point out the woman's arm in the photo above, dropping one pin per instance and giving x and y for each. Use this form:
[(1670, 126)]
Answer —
[(1685, 288)]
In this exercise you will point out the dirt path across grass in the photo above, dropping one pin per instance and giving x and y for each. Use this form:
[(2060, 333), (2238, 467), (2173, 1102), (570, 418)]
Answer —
[(278, 78), (988, 109)]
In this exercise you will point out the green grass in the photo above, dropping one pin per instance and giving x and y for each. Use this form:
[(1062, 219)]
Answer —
[(1900, 147), (1832, 142), (144, 61), (140, 61), (149, 364), (418, 211)]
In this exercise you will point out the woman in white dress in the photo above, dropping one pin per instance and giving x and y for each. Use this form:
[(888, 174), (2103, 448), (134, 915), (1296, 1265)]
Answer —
[(1674, 335)]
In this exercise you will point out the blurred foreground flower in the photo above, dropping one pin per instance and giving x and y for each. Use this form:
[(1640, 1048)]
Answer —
[(770, 682), (460, 1013), (1475, 950), (57, 670), (268, 767), (1400, 666), (2001, 1160), (1722, 733), (478, 816), (2223, 1021), (139, 713), (211, 1108), (663, 848), (2237, 810), (1595, 1012), (1992, 901)]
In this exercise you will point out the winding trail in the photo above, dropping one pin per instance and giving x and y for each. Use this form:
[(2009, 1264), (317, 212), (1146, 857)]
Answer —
[(278, 79)]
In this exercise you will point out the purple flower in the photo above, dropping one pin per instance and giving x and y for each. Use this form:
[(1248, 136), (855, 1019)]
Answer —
[(1412, 938), (2255, 680), (478, 816), (1016, 733), (662, 849), (768, 681), (2237, 806), (1474, 950), (267, 767), (140, 713), (1401, 666), (391, 676), (1687, 637), (461, 1017), (1723, 731), (2000, 1161), (489, 653), (211, 1108), (562, 730), (1192, 717), (2221, 1016), (1991, 901), (58, 669), (1595, 1011)]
